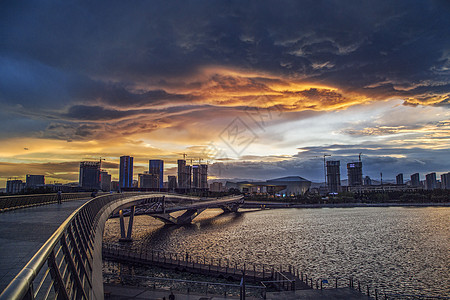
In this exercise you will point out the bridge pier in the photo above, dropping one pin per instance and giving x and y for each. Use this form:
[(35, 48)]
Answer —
[(185, 218), (126, 238)]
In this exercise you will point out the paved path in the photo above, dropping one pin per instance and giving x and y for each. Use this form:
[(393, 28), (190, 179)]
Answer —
[(24, 231)]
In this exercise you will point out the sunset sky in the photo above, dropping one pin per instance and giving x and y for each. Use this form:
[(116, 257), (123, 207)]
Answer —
[(259, 89)]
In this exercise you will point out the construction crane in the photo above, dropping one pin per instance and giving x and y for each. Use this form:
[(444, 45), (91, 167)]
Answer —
[(184, 156), (324, 167), (360, 156)]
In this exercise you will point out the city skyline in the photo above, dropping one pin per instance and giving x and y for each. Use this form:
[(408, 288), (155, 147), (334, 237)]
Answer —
[(156, 80)]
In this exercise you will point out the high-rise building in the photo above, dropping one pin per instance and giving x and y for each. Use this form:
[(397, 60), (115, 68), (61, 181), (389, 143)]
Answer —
[(90, 175), (204, 177), (156, 167), (399, 178), (415, 180), (182, 177), (445, 181), (148, 180), (354, 173), (33, 181), (196, 176), (105, 181), (14, 186), (188, 177), (172, 182), (334, 176), (126, 172), (430, 181)]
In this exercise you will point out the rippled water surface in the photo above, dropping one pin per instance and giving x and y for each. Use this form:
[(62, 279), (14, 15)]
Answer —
[(404, 250)]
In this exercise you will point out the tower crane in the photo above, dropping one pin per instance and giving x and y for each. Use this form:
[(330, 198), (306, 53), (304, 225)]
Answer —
[(324, 167)]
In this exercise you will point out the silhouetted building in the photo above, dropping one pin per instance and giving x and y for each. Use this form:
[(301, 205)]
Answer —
[(216, 187), (33, 181), (172, 182), (415, 180), (285, 186), (399, 178), (90, 175), (354, 173), (367, 180), (182, 176), (334, 176), (126, 172), (196, 176), (430, 181), (204, 176), (147, 180), (445, 181), (188, 177), (105, 181), (14, 186), (156, 167)]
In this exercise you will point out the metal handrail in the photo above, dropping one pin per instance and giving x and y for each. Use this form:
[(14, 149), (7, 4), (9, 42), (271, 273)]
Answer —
[(22, 285), (21, 201), (69, 253)]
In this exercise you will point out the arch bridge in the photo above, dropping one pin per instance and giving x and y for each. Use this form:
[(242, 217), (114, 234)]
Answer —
[(69, 264)]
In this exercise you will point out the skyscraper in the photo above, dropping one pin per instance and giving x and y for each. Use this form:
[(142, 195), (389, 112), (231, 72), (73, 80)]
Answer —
[(188, 177), (156, 167), (90, 175), (415, 180), (354, 173), (196, 176), (399, 178), (126, 172), (204, 176), (445, 181), (182, 173), (430, 181), (334, 176)]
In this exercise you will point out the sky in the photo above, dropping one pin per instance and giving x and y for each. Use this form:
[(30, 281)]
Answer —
[(256, 89)]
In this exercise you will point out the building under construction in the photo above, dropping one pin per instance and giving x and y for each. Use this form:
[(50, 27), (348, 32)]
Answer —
[(334, 176)]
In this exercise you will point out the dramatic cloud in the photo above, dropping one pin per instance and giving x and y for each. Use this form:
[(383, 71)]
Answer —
[(175, 75)]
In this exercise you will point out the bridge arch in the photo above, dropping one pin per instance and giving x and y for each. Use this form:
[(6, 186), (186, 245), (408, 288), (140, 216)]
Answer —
[(69, 264)]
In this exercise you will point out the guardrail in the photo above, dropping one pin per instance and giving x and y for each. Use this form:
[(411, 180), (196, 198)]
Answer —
[(21, 201), (62, 268), (189, 286)]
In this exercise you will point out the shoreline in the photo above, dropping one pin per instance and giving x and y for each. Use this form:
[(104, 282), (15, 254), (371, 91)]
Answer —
[(269, 205)]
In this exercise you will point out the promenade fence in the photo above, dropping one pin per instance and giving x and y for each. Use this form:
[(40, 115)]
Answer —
[(22, 201)]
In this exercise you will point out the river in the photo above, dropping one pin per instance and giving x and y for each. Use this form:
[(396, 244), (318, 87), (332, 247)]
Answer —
[(394, 249)]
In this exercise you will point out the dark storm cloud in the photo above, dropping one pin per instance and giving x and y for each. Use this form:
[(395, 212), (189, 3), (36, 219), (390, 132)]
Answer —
[(110, 60), (309, 163), (350, 45)]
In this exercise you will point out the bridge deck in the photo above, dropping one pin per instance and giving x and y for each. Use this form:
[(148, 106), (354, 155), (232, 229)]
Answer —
[(24, 231)]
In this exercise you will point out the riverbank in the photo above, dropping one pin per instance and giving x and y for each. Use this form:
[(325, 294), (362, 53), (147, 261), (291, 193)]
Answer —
[(269, 204)]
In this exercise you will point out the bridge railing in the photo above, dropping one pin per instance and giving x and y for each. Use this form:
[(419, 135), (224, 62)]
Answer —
[(187, 286), (62, 268), (21, 201)]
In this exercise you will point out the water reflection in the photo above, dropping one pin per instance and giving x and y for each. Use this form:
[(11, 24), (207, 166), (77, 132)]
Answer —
[(401, 249)]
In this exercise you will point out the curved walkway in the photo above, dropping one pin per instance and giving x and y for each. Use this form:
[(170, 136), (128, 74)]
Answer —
[(24, 231)]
